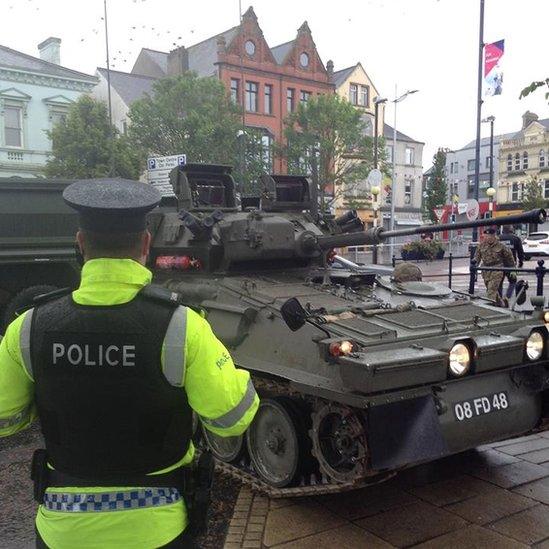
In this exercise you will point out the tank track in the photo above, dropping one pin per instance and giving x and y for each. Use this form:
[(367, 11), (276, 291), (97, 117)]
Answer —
[(313, 484)]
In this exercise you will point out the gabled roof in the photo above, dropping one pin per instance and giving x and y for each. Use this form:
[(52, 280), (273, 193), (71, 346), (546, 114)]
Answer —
[(485, 141), (130, 87), (282, 50), (388, 134), (343, 74), (14, 59), (544, 122), (202, 56)]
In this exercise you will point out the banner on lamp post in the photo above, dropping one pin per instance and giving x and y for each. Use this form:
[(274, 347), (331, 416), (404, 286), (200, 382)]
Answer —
[(493, 72)]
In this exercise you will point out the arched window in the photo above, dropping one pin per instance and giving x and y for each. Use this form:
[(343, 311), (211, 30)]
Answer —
[(542, 158), (509, 162), (524, 160), (517, 162)]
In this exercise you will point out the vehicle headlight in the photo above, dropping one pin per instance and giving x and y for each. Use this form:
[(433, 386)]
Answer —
[(534, 346), (546, 317), (460, 359)]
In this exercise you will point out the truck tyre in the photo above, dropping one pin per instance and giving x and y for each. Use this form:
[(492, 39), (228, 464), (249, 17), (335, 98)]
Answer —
[(23, 299)]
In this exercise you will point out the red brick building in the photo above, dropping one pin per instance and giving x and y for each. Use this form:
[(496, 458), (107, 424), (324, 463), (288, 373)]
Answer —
[(268, 82)]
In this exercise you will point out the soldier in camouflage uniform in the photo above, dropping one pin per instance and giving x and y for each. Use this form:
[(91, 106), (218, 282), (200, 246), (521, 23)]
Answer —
[(492, 253)]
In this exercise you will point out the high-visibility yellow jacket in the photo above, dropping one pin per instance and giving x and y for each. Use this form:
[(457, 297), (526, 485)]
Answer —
[(213, 391)]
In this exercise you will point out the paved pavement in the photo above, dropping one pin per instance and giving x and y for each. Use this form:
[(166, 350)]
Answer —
[(495, 496)]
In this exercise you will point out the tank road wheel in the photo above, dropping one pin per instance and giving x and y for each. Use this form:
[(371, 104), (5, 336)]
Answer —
[(227, 449), (275, 442), (339, 442)]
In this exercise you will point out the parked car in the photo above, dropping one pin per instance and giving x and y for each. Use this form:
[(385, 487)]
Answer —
[(536, 244)]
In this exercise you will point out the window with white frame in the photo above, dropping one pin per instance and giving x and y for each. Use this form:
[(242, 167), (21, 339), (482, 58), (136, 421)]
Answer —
[(60, 117), (267, 151), (408, 190), (13, 126), (389, 150), (471, 165), (268, 103), (353, 94), (515, 192), (409, 156), (235, 90), (524, 160), (509, 162), (546, 188), (517, 162), (488, 162), (364, 97), (542, 158)]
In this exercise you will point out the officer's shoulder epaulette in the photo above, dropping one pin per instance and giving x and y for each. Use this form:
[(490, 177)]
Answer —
[(161, 294), (50, 296)]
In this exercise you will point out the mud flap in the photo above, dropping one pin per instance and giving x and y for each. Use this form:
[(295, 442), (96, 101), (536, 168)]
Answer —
[(404, 432)]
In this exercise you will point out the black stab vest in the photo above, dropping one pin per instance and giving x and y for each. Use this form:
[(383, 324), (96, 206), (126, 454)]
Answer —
[(106, 409)]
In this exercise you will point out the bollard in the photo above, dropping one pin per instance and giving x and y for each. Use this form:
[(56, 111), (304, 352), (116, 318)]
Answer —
[(450, 267), (472, 276), (374, 254), (394, 260), (540, 274)]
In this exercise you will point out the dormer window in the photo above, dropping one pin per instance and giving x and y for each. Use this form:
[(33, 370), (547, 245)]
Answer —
[(304, 60), (249, 47)]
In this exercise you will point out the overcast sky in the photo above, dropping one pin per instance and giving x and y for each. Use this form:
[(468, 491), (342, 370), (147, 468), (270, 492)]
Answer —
[(431, 45)]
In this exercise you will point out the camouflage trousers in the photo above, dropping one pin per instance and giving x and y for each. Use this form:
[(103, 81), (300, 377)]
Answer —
[(492, 280)]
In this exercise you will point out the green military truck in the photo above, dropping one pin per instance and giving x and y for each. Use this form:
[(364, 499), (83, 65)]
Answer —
[(36, 241)]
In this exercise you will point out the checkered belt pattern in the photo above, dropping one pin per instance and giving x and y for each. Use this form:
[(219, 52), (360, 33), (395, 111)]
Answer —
[(111, 501)]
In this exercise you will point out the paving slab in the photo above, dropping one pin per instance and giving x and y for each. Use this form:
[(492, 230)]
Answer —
[(287, 524), (411, 524), (367, 501), (537, 456), (510, 441), (343, 537), (516, 449), (529, 526), (514, 474), (491, 458), (490, 507), (472, 537), (538, 490), (453, 490)]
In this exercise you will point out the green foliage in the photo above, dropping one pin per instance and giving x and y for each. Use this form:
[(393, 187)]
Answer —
[(436, 190), (426, 249), (326, 139), (532, 196), (81, 145), (192, 115), (533, 87)]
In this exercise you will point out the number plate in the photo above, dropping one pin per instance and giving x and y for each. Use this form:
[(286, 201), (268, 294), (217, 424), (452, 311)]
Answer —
[(481, 405)]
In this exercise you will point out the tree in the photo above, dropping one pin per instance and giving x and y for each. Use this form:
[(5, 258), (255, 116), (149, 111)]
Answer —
[(326, 138), (195, 116), (532, 197), (81, 145), (436, 190), (532, 87)]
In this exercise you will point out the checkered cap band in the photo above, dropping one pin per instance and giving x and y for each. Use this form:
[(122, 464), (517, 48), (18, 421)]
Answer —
[(111, 501)]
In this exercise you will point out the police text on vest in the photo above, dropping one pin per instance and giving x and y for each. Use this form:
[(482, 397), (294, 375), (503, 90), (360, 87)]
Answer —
[(94, 355)]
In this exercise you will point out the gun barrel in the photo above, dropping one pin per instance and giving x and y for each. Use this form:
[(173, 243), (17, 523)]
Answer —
[(378, 235)]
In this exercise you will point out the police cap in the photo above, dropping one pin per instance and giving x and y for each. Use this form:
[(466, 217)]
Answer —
[(491, 230), (111, 205)]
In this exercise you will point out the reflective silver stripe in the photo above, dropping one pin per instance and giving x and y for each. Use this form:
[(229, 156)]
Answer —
[(110, 501), (232, 417), (24, 341), (174, 348), (20, 417)]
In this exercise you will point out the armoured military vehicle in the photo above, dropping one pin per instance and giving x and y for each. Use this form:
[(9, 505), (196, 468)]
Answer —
[(359, 376)]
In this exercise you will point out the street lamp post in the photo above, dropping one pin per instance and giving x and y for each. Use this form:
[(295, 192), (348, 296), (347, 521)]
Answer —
[(455, 201), (396, 100), (377, 102), (375, 190), (490, 193), (491, 119)]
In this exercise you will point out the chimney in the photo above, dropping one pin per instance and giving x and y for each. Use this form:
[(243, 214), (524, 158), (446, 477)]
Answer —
[(527, 118), (330, 69), (221, 45), (50, 50), (178, 61)]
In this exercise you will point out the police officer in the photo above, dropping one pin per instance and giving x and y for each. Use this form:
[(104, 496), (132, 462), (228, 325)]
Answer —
[(114, 371), (492, 253)]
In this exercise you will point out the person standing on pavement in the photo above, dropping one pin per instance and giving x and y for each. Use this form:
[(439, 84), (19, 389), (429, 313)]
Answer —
[(515, 243), (492, 253), (114, 371)]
